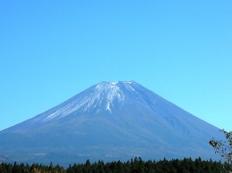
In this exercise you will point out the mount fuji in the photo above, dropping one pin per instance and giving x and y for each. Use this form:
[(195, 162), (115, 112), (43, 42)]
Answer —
[(109, 121)]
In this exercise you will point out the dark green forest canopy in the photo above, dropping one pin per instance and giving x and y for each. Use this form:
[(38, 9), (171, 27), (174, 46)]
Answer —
[(136, 165)]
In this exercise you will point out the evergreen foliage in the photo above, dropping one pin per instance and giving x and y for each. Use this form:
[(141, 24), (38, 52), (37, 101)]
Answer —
[(136, 165)]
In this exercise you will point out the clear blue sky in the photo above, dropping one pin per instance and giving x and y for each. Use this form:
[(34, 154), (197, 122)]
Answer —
[(52, 50)]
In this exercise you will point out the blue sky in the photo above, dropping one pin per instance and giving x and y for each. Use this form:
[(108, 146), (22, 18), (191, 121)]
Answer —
[(52, 50)]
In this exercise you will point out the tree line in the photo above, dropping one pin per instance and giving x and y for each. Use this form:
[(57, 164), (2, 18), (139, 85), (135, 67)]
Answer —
[(136, 165)]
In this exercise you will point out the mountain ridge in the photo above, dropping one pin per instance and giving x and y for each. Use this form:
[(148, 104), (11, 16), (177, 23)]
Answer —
[(110, 121)]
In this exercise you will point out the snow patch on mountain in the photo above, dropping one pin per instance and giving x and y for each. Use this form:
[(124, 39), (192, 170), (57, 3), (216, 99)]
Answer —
[(102, 95), (109, 91)]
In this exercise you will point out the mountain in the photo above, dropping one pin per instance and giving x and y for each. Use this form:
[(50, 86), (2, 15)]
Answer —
[(109, 121), (4, 159)]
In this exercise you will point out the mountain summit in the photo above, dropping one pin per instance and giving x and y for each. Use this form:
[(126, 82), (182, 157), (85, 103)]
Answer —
[(101, 97), (109, 121)]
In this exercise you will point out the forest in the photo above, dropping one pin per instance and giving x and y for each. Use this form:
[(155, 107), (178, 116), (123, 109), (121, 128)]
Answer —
[(136, 165)]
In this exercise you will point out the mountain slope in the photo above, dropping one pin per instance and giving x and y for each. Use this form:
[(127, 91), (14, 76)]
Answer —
[(109, 121)]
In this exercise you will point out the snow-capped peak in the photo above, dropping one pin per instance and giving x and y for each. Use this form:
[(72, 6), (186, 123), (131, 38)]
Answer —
[(109, 91), (102, 96)]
